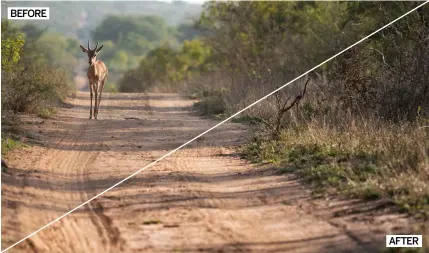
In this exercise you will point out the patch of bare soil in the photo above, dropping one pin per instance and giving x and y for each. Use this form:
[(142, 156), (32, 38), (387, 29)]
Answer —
[(203, 198)]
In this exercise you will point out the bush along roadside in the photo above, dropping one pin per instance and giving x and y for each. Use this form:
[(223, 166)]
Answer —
[(7, 145), (212, 104), (367, 162)]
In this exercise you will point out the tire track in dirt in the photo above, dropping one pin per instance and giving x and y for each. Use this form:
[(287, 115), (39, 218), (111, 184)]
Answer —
[(181, 162), (80, 160), (110, 235), (201, 199), (72, 164), (56, 159)]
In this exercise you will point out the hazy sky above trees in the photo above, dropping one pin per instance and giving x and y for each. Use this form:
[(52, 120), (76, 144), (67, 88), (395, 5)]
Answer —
[(190, 1)]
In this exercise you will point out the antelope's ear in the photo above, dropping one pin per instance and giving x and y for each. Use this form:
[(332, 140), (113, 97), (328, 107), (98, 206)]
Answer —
[(99, 49), (84, 49)]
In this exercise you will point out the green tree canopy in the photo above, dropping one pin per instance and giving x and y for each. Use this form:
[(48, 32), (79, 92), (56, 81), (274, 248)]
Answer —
[(12, 43), (119, 28)]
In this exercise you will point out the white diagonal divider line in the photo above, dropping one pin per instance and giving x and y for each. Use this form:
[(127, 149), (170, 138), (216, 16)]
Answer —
[(220, 123)]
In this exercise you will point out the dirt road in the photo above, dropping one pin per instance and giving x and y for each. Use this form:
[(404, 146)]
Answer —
[(201, 199)]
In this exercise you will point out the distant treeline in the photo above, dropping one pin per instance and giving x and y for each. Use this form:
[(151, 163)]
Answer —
[(79, 18), (127, 39), (128, 30)]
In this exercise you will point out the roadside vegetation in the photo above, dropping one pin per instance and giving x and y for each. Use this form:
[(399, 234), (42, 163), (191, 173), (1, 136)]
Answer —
[(358, 125), (34, 71), (34, 77), (40, 60), (128, 31), (8, 144)]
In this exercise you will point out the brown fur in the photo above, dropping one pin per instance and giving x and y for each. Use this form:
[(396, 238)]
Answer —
[(97, 74)]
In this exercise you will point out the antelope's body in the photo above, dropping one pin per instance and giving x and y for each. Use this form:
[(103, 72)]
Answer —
[(97, 72), (97, 75)]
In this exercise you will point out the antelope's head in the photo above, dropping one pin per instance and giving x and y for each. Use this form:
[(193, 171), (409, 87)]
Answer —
[(92, 53)]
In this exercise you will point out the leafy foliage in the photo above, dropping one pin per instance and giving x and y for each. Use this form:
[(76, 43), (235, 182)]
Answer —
[(130, 29), (8, 144), (262, 45), (164, 66), (128, 39), (360, 129), (32, 74), (12, 43), (125, 27)]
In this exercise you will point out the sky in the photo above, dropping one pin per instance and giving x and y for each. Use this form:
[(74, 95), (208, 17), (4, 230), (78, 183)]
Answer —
[(197, 1), (190, 1)]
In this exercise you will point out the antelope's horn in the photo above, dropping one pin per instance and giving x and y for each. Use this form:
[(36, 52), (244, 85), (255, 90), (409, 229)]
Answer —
[(88, 46), (96, 47)]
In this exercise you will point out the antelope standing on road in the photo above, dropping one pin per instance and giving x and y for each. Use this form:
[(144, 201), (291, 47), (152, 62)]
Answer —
[(97, 74)]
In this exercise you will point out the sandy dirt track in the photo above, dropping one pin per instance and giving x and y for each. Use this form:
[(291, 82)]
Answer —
[(203, 198)]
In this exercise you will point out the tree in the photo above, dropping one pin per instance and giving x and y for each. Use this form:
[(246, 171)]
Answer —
[(119, 61), (12, 43), (167, 67)]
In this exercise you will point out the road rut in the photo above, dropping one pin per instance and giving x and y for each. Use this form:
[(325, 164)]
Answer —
[(203, 198)]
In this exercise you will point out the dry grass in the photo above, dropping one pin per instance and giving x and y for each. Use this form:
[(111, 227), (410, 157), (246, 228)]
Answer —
[(367, 159)]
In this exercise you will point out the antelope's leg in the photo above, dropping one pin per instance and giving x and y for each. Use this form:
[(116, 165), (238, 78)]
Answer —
[(101, 92), (90, 110), (96, 99)]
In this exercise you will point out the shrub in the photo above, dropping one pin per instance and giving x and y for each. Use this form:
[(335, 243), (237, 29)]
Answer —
[(28, 85), (8, 144), (111, 87), (46, 113), (29, 91), (212, 103)]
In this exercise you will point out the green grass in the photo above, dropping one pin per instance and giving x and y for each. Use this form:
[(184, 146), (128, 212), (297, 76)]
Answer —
[(8, 144), (287, 169), (46, 113)]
